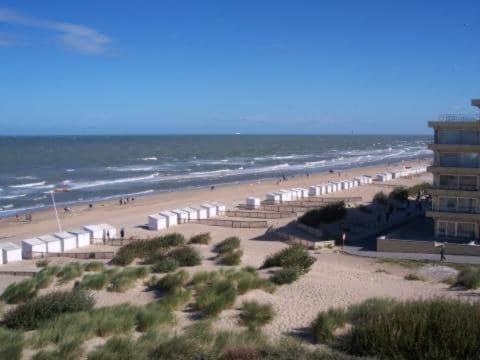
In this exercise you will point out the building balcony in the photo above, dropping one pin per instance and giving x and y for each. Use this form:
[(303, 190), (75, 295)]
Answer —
[(456, 121), (452, 170), (454, 216), (454, 148)]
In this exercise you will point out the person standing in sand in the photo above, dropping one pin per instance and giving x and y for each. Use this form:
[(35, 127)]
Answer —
[(442, 253)]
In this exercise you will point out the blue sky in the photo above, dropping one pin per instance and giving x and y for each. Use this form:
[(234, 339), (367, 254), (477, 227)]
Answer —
[(124, 67)]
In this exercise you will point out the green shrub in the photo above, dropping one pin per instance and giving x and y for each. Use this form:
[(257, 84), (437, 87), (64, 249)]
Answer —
[(11, 344), (114, 320), (165, 265), (171, 282), (380, 198), (176, 298), (44, 277), (186, 256), (255, 315), (203, 238), (231, 258), (469, 278), (95, 281), (116, 348), (67, 350), (69, 272), (94, 266), (326, 322), (36, 310), (399, 193), (143, 248), (292, 256), (421, 329), (42, 263), (227, 245), (153, 315), (20, 292), (327, 214), (419, 188), (125, 279), (285, 276), (211, 299), (413, 277)]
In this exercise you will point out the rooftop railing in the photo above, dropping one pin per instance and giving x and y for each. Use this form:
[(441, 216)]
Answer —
[(458, 117)]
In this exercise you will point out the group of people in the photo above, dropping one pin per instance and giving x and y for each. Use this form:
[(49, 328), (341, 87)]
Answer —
[(28, 217), (126, 201)]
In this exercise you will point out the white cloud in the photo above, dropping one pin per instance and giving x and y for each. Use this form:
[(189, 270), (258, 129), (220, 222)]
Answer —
[(76, 37)]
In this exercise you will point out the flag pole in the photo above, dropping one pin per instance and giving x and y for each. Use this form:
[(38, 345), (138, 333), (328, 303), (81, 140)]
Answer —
[(56, 213)]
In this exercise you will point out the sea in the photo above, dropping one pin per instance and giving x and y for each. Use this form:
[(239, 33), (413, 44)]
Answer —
[(94, 168)]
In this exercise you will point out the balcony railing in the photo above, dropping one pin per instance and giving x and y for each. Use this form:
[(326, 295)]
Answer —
[(458, 117), (468, 210)]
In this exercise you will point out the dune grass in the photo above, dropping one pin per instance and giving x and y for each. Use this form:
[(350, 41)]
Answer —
[(468, 278), (186, 256), (67, 350), (125, 279), (69, 272), (165, 265), (293, 256), (214, 297), (413, 277), (228, 245), (36, 310), (11, 344), (20, 292), (231, 258), (171, 282), (202, 238), (286, 275), (94, 281), (255, 315), (94, 266), (326, 322)]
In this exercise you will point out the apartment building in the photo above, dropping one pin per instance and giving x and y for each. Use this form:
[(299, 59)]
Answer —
[(456, 177)]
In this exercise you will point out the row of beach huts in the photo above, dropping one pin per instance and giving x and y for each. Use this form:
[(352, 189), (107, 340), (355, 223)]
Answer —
[(59, 242), (282, 196), (167, 219)]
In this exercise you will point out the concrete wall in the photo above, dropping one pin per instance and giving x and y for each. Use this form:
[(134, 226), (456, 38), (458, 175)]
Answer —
[(426, 247)]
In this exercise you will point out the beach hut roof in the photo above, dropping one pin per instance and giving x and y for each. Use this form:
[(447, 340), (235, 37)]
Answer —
[(64, 235), (33, 241), (49, 238), (78, 231), (9, 246)]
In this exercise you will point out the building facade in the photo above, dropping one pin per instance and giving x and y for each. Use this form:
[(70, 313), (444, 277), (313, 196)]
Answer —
[(456, 177)]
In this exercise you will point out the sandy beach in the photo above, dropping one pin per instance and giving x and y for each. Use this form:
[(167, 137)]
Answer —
[(334, 280)]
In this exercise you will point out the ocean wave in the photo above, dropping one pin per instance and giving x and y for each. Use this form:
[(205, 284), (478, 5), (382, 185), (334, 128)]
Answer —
[(151, 158), (27, 177), (98, 183), (5, 207), (70, 170), (130, 168), (29, 185), (12, 196)]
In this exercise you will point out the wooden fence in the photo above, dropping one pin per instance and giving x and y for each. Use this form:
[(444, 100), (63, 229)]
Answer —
[(75, 255), (234, 223), (261, 214)]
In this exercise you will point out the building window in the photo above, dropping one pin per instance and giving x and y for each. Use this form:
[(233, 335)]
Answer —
[(448, 182), (467, 205), (465, 160), (447, 204), (466, 230), (460, 137), (446, 229), (467, 182)]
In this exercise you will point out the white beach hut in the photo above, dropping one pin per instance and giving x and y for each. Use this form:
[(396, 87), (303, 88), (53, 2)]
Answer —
[(201, 212), (170, 217), (367, 179), (157, 222), (82, 237), (350, 184), (314, 190), (303, 193), (357, 181), (221, 208), (192, 213), (10, 252), (54, 245), (252, 202), (68, 241), (32, 246), (328, 188), (323, 189), (182, 216), (344, 184), (211, 209), (382, 177), (273, 198), (296, 194), (335, 186), (95, 231), (109, 231)]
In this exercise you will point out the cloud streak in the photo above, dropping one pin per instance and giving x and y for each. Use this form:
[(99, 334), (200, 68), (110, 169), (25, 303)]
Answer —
[(79, 38)]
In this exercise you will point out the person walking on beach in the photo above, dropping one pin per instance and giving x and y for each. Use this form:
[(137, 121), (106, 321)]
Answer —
[(442, 253), (122, 235)]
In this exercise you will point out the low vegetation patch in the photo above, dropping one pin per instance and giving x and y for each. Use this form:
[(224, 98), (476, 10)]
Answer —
[(419, 188), (228, 245), (413, 277), (69, 272), (293, 256), (286, 275), (469, 278), (186, 256), (214, 297), (202, 238), (11, 344), (327, 214), (126, 278), (231, 258), (42, 263), (399, 193), (20, 292), (326, 322), (380, 198), (94, 266), (165, 265), (255, 315), (33, 312), (170, 282), (142, 248)]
